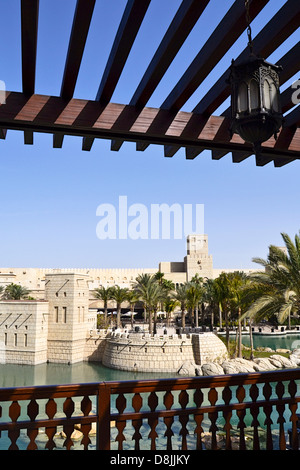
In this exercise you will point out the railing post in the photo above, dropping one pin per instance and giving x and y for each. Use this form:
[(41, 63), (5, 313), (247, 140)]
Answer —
[(103, 412)]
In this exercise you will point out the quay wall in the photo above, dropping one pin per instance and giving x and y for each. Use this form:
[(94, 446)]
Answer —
[(141, 352)]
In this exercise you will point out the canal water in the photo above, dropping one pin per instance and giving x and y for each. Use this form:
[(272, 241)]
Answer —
[(274, 342), (12, 375)]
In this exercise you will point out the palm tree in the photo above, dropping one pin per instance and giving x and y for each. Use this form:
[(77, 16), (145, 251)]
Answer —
[(150, 292), (277, 289), (141, 281), (103, 293), (180, 295), (119, 294), (238, 284), (169, 305), (223, 295), (209, 297), (132, 298), (15, 292), (194, 295)]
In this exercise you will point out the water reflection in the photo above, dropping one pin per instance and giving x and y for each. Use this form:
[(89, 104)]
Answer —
[(15, 375)]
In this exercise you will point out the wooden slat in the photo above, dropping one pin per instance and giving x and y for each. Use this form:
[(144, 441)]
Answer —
[(227, 32), (129, 26), (279, 28), (80, 28), (42, 113), (186, 17), (183, 22), (238, 157), (3, 133), (29, 25), (223, 37), (293, 118), (29, 32)]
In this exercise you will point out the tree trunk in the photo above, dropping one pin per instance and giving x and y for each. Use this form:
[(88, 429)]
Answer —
[(150, 322), (212, 319), (105, 313), (220, 317), (132, 310), (155, 321), (251, 340), (227, 328), (119, 316), (240, 335), (183, 317)]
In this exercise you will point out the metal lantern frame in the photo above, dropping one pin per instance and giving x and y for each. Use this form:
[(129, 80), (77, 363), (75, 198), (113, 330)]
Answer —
[(256, 113)]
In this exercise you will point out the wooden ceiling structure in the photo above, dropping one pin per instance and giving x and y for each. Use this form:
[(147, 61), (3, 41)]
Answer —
[(168, 125)]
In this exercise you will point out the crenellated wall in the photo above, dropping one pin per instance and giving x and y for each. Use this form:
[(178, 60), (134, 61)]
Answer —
[(142, 353)]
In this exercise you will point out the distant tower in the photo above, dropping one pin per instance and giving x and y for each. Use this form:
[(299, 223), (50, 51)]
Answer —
[(68, 297), (198, 261)]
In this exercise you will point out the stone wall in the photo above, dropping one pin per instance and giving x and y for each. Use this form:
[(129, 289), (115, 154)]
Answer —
[(68, 297), (23, 332), (208, 348), (142, 353), (95, 345)]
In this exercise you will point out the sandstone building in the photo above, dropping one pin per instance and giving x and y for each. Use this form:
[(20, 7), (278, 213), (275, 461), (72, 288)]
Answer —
[(59, 326)]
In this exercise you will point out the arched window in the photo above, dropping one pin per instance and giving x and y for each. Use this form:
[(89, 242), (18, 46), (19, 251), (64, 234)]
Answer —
[(274, 98), (267, 95), (254, 95), (243, 97)]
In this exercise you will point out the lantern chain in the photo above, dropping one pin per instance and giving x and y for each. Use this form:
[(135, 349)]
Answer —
[(248, 19)]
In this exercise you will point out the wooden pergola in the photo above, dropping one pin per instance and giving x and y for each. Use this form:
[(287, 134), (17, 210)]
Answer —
[(167, 125)]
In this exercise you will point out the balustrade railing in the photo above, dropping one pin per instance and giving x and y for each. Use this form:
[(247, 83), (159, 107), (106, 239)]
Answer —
[(241, 411)]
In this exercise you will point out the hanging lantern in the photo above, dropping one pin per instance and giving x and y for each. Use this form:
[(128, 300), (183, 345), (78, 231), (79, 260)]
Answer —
[(256, 113)]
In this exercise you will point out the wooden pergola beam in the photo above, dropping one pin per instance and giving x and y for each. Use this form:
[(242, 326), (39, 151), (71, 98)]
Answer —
[(184, 20), (129, 26), (50, 114), (29, 32), (224, 36), (279, 28), (80, 28), (273, 34)]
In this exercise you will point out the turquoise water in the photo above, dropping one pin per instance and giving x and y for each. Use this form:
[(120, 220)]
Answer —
[(274, 342), (14, 375)]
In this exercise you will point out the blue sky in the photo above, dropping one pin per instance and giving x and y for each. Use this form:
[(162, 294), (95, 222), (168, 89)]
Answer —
[(49, 197)]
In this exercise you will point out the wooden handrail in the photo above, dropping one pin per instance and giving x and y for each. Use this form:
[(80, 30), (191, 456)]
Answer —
[(213, 406)]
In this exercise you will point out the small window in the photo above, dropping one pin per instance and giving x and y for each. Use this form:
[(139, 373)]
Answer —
[(56, 314), (65, 314)]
